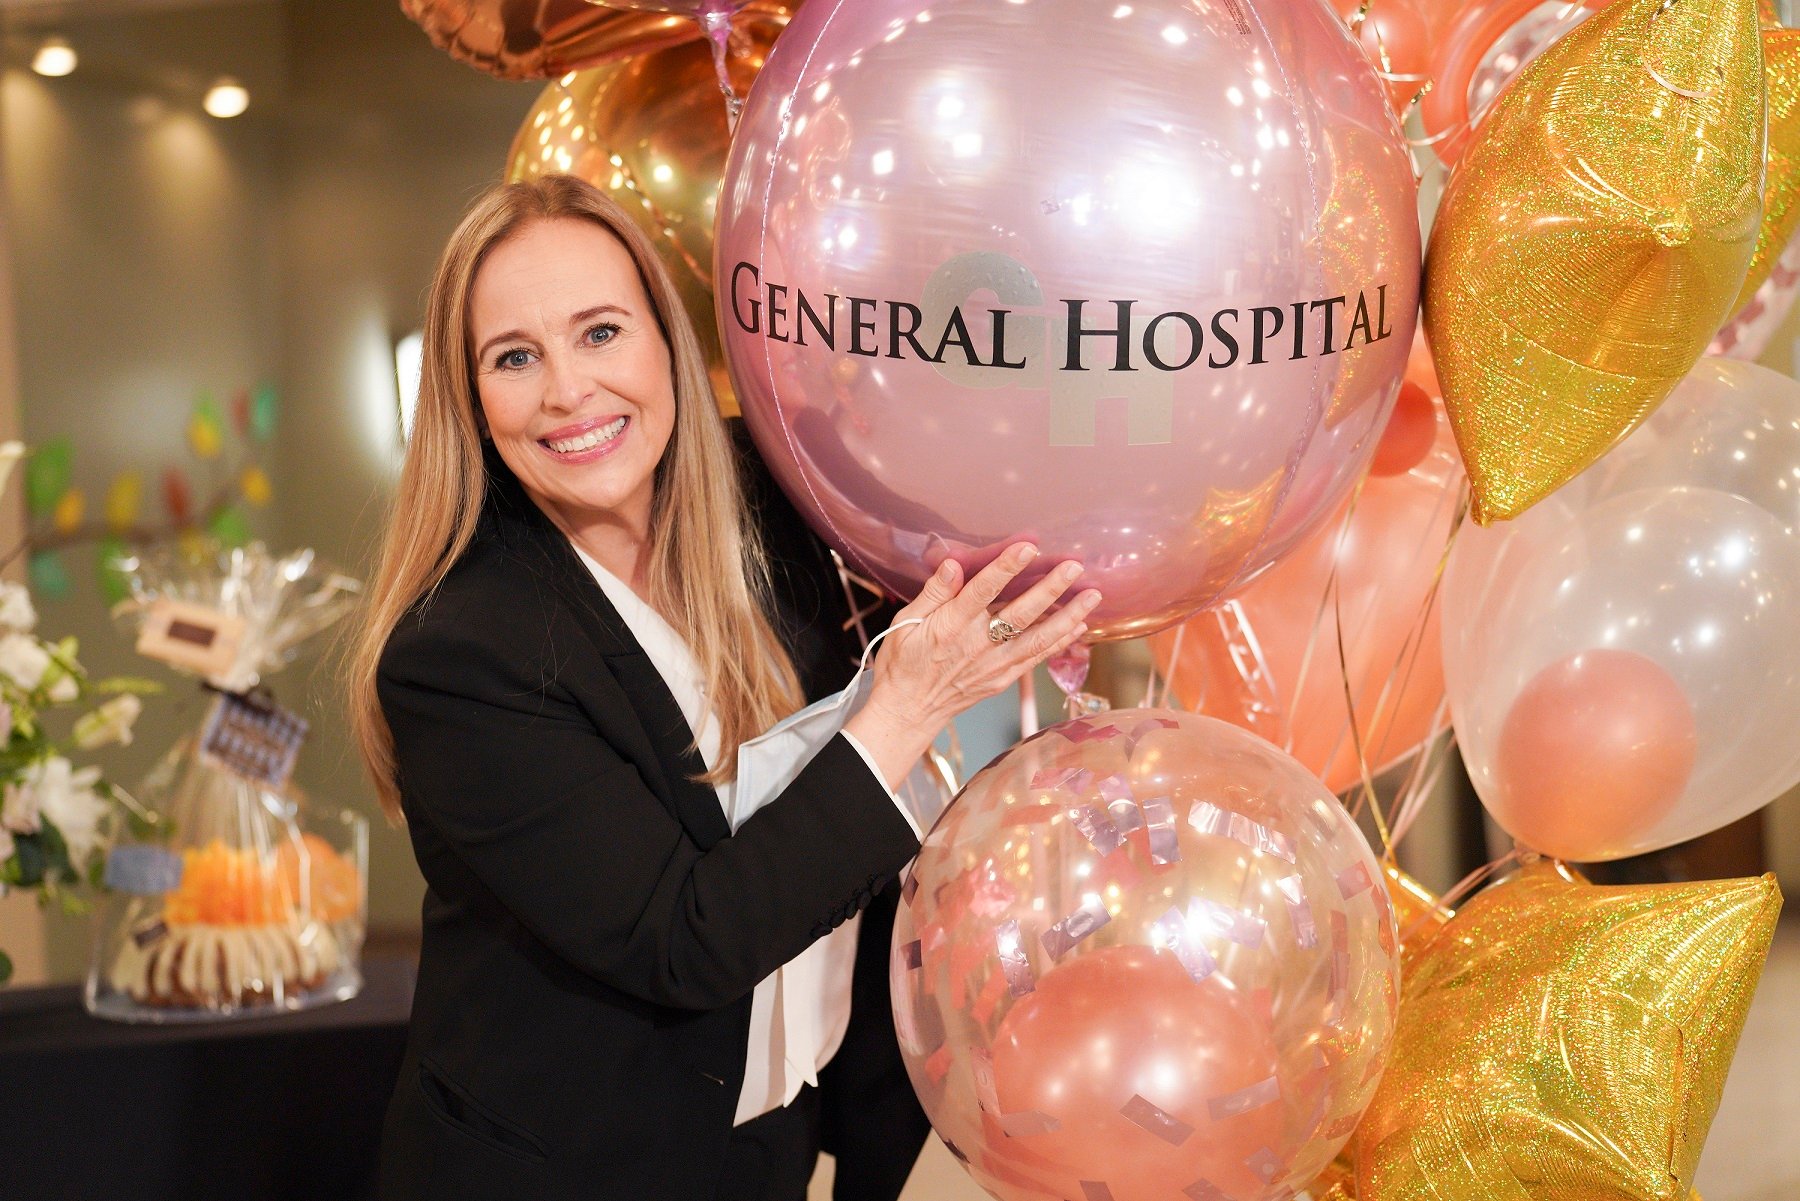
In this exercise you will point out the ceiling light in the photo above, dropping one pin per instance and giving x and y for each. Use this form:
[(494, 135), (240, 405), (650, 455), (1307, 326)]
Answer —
[(226, 98), (55, 57)]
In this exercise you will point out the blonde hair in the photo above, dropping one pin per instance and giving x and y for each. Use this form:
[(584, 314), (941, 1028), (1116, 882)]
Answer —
[(706, 576)]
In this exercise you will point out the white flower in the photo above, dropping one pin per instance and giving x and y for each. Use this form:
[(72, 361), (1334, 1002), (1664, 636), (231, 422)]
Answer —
[(23, 660), (65, 689), (16, 612), (19, 808), (109, 723), (67, 799)]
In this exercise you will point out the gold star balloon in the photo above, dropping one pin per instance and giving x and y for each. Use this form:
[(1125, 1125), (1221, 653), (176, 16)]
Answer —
[(1781, 183), (1560, 1041), (1593, 238)]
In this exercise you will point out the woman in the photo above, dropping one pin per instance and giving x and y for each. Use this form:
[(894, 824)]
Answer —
[(569, 636)]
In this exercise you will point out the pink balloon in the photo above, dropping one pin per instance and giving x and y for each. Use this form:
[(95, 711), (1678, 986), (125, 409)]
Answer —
[(1595, 751), (1134, 281), (1144, 955), (1747, 334)]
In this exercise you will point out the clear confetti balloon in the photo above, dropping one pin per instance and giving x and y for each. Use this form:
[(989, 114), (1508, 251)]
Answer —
[(1145, 955)]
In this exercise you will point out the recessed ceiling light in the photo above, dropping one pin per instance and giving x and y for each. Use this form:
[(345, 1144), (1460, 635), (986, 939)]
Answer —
[(226, 98), (55, 57)]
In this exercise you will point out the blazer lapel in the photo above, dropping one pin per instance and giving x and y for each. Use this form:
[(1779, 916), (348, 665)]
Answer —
[(653, 734)]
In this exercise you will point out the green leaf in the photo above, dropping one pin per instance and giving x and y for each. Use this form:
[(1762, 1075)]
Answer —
[(114, 585), (47, 475), (229, 526), (49, 579), (6, 968), (57, 865), (28, 849), (265, 408)]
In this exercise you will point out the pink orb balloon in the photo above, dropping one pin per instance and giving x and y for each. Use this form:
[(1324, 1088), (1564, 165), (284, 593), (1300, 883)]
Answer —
[(1595, 751), (1134, 281), (1143, 956)]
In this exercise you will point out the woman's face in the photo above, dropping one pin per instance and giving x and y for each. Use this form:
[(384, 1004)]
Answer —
[(573, 372)]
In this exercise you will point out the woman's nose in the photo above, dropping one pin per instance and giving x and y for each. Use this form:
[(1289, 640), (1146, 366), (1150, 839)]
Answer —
[(568, 387)]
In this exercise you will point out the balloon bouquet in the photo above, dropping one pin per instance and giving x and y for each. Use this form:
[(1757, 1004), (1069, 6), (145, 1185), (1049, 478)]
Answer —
[(1144, 289)]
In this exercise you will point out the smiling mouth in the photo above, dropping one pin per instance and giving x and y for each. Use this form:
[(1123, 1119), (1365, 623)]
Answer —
[(598, 436)]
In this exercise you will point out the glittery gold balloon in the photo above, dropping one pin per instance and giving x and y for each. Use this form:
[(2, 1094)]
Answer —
[(1563, 1041), (650, 131), (1594, 237), (1781, 184)]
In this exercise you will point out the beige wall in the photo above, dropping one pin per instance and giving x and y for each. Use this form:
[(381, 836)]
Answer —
[(161, 252)]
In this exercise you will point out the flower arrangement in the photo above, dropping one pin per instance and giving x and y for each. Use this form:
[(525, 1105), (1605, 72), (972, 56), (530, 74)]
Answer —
[(54, 816)]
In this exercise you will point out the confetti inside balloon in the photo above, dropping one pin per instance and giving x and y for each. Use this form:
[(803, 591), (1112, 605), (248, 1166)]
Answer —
[(650, 133), (1593, 238), (1562, 1040), (1144, 955)]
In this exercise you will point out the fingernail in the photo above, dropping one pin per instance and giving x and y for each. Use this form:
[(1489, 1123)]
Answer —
[(1027, 553), (1069, 571), (1090, 598), (946, 569), (1080, 629)]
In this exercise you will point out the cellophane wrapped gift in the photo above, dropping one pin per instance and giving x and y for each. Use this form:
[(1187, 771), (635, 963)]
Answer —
[(233, 897)]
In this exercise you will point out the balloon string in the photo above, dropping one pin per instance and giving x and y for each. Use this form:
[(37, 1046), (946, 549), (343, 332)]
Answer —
[(1263, 702), (1168, 680), (850, 581), (1400, 673), (718, 31), (1028, 711), (1462, 888), (1368, 780)]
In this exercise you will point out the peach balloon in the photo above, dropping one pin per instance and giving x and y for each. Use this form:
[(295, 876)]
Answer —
[(1268, 659), (1128, 1021), (1596, 750)]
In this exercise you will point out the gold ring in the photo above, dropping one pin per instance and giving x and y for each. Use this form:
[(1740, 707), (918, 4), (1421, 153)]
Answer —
[(1002, 630)]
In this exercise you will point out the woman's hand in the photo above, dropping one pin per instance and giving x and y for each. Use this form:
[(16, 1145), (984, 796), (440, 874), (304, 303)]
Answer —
[(927, 674)]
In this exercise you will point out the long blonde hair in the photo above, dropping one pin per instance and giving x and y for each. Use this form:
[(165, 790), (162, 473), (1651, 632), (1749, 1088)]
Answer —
[(706, 575)]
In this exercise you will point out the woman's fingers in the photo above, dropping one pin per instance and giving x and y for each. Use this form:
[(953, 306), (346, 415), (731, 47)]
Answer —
[(1054, 632), (988, 584), (942, 587), (1036, 600)]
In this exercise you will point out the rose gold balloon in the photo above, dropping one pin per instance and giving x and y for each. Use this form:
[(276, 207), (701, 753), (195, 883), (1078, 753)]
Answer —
[(1145, 953), (651, 133), (540, 39), (1268, 660), (1135, 281), (1597, 749)]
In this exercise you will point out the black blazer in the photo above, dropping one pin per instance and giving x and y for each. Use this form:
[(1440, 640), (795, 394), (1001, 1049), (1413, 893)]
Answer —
[(591, 932)]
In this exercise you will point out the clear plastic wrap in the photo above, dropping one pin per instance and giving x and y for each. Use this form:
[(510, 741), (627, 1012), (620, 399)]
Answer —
[(233, 897)]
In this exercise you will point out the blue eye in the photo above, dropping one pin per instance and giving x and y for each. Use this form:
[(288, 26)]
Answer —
[(599, 335), (513, 360)]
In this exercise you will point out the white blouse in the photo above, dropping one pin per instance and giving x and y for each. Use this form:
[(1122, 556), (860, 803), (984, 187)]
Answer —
[(797, 1022)]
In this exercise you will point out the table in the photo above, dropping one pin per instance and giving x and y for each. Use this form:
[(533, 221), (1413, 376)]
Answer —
[(286, 1108)]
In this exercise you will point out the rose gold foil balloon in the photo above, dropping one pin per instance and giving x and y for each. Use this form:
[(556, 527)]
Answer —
[(1268, 660), (1134, 281), (650, 132), (1144, 956), (539, 39)]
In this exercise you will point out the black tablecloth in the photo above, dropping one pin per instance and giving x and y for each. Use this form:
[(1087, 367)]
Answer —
[(284, 1107)]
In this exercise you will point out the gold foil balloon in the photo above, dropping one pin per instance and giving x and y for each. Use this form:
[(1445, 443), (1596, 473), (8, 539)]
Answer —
[(539, 39), (651, 132), (1144, 956), (1560, 1040), (1594, 236), (1781, 183)]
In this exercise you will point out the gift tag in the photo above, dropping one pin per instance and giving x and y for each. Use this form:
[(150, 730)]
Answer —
[(143, 871), (253, 737), (190, 637)]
